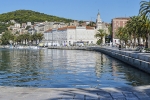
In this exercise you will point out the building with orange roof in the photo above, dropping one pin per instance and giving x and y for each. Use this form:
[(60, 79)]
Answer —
[(70, 35)]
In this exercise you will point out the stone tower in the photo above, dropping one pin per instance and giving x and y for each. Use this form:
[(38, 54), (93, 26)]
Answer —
[(100, 25), (98, 22)]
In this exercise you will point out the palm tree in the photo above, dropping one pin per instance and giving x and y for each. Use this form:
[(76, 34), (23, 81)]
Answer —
[(21, 38), (144, 8), (99, 35), (119, 33), (34, 38), (122, 34), (27, 37), (138, 27), (145, 11), (125, 36), (130, 32), (40, 36), (145, 28), (133, 27)]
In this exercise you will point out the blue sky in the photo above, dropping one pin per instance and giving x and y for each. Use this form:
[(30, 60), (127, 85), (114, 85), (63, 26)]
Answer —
[(76, 9)]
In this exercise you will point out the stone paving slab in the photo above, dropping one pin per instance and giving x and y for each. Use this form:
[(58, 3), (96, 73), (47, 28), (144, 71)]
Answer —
[(121, 93)]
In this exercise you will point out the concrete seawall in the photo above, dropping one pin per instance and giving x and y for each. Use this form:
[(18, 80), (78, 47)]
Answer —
[(68, 48), (136, 59)]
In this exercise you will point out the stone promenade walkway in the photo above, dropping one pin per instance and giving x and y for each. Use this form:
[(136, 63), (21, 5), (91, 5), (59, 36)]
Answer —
[(124, 93)]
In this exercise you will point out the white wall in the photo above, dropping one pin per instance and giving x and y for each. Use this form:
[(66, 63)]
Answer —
[(62, 37), (70, 36), (17, 25)]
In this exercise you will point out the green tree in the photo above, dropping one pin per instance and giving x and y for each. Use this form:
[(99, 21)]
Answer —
[(99, 35), (110, 29), (34, 38), (145, 28), (14, 39), (3, 27), (145, 12), (6, 37), (133, 27), (131, 32), (123, 35), (119, 33), (40, 36), (138, 27), (21, 38), (26, 37), (144, 8)]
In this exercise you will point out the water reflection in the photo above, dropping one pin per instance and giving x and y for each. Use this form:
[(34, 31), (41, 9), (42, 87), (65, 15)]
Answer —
[(66, 68)]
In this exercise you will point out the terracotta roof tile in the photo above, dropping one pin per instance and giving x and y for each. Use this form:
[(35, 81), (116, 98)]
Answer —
[(68, 27), (88, 27), (62, 28), (48, 30), (71, 27)]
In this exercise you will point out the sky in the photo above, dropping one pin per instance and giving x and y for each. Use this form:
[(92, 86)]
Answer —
[(76, 9)]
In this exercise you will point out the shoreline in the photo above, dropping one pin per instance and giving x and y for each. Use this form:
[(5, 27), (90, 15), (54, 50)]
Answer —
[(105, 93), (140, 60), (136, 59)]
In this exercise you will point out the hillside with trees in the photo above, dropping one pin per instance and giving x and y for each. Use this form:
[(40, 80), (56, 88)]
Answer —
[(23, 16), (3, 27)]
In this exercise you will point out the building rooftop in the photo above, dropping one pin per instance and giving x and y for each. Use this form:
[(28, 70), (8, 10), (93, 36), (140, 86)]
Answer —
[(122, 18), (70, 27), (88, 27), (49, 30)]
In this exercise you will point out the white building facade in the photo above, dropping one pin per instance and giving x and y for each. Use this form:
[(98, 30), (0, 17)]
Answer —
[(70, 35)]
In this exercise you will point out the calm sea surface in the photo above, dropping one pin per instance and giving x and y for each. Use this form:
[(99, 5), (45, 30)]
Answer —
[(50, 68)]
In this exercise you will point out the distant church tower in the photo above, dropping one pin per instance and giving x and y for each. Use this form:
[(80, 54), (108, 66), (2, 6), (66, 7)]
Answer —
[(100, 25), (98, 22)]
